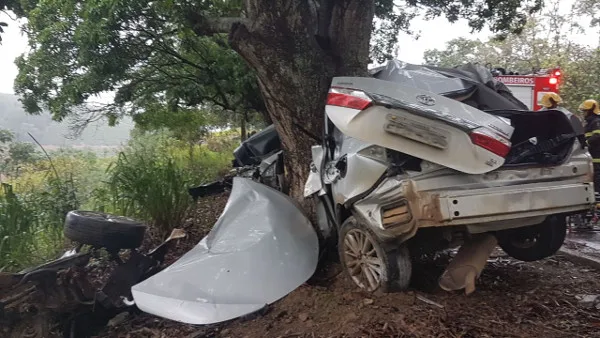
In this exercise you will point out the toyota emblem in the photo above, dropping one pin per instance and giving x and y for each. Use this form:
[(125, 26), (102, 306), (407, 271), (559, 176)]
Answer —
[(426, 100)]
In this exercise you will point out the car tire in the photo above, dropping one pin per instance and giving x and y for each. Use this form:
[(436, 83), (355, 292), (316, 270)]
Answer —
[(104, 230), (534, 242), (369, 264)]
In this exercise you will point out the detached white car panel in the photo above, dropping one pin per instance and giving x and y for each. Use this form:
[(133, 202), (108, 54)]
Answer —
[(261, 248), (421, 124)]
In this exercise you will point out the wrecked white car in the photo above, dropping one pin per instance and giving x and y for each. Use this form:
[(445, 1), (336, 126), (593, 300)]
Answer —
[(414, 160)]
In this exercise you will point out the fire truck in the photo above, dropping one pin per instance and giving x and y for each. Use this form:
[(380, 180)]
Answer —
[(530, 88)]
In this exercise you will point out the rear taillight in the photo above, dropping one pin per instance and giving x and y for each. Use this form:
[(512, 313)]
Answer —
[(348, 98), (490, 141)]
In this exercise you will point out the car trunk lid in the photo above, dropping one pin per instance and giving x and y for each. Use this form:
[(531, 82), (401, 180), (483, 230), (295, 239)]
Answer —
[(419, 123)]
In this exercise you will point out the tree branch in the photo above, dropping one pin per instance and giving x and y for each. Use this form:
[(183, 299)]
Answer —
[(204, 26)]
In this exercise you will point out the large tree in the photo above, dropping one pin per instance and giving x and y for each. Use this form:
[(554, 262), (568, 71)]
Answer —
[(293, 47)]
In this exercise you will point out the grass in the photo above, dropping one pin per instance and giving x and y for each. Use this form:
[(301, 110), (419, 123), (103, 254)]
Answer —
[(18, 227), (31, 223), (147, 188)]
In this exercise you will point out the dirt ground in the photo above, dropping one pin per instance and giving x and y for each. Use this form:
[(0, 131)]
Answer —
[(513, 299)]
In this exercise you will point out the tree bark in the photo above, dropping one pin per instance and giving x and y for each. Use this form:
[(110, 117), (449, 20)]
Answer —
[(296, 47)]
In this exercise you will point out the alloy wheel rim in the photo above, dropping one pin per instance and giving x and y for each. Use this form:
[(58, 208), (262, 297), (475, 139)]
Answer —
[(362, 261)]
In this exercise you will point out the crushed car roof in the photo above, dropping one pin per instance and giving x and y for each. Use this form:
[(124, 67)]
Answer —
[(471, 80)]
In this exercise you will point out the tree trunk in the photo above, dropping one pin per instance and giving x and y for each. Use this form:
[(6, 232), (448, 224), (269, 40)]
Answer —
[(296, 48)]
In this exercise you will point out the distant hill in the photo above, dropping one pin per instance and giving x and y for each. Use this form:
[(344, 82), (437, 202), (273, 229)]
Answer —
[(53, 134)]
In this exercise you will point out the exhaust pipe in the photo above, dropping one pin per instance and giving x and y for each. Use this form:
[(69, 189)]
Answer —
[(465, 268)]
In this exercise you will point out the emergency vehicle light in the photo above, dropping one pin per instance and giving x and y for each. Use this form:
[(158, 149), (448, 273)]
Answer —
[(553, 80)]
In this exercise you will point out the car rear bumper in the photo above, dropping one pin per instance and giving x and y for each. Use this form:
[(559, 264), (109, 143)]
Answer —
[(486, 205), (480, 210)]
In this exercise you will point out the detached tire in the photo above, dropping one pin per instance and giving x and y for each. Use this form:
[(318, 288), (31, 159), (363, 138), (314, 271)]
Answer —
[(104, 230), (371, 266), (534, 242)]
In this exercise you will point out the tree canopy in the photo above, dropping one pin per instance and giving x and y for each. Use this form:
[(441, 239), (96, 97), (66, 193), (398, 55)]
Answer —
[(82, 49)]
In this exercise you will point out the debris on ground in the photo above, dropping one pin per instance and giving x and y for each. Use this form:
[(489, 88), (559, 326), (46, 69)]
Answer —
[(589, 301), (87, 290), (118, 319), (429, 301)]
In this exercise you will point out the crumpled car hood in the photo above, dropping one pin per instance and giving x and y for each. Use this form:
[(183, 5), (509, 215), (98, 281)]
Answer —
[(261, 248)]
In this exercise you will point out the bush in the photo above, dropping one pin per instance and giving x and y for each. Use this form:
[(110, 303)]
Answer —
[(149, 189), (151, 177), (33, 206), (17, 232), (31, 222)]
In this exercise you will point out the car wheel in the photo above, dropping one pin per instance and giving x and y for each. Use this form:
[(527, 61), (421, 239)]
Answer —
[(104, 230), (534, 242), (370, 266)]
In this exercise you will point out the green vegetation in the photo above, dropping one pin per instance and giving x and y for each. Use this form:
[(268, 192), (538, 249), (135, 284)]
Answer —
[(148, 180), (14, 154), (153, 66), (33, 204)]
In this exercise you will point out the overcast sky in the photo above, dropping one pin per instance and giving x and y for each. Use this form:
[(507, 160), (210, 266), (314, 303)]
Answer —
[(433, 34), (13, 45)]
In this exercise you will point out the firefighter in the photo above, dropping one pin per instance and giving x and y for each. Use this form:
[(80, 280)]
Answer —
[(591, 112), (550, 101)]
